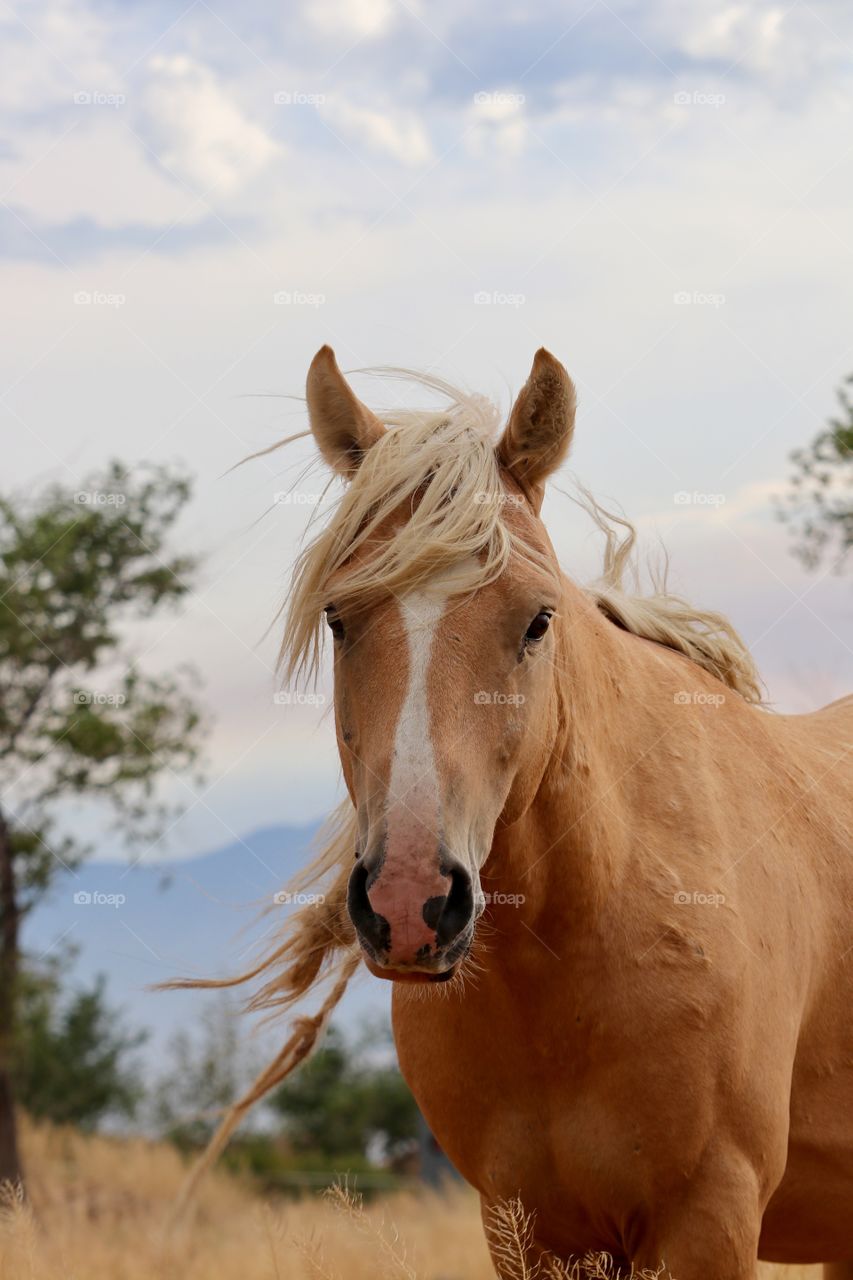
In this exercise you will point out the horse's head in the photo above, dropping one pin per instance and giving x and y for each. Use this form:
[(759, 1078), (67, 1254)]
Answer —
[(443, 595)]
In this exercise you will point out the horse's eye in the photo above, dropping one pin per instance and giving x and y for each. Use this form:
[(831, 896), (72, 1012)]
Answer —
[(335, 625), (538, 627)]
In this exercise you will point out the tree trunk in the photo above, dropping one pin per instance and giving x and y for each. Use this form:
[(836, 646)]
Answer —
[(10, 920)]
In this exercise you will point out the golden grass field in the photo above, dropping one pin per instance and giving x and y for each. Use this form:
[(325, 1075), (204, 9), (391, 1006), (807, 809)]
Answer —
[(98, 1209)]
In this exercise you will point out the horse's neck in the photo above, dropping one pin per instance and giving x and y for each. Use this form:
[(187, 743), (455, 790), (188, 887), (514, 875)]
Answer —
[(615, 750)]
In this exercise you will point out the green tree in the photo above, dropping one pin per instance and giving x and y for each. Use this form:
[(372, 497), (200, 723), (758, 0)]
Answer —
[(819, 507), (208, 1069), (73, 1057), (340, 1104), (78, 721)]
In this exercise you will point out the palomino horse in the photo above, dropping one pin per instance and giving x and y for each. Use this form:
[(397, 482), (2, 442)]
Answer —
[(614, 894)]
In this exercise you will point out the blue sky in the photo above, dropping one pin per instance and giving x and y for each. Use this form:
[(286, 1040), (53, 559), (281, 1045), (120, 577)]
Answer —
[(660, 193)]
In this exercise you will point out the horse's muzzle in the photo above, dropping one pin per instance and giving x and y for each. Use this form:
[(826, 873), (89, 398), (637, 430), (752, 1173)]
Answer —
[(414, 918)]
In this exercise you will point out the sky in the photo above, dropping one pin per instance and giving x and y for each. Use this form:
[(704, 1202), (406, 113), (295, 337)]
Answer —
[(195, 197)]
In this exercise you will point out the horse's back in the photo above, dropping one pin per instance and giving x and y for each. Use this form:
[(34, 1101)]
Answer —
[(823, 741), (831, 718)]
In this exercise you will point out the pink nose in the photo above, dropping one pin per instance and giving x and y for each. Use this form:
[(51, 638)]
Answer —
[(410, 898), (412, 912)]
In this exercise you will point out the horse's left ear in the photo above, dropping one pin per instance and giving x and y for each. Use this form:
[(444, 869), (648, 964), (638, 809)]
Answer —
[(540, 427)]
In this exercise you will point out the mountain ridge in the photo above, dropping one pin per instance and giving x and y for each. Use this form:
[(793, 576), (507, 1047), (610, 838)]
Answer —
[(205, 915)]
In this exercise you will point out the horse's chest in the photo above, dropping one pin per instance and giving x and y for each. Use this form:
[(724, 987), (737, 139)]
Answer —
[(515, 1120)]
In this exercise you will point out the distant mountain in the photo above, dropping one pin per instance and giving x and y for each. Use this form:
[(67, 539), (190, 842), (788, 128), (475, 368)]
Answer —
[(195, 917)]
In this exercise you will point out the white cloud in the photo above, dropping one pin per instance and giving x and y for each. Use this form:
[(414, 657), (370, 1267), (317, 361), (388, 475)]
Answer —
[(399, 134), (497, 122), (780, 45), (49, 49), (97, 172), (363, 19), (737, 32), (745, 506), (198, 131)]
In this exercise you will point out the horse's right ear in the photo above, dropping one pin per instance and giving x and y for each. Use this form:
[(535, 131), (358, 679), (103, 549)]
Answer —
[(343, 427)]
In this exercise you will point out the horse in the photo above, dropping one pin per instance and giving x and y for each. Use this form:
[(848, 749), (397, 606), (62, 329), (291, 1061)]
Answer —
[(613, 890)]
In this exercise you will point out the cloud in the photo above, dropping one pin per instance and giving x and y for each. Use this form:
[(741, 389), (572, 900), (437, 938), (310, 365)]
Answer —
[(399, 134), (98, 172), (50, 48), (365, 19), (497, 122), (81, 239), (735, 32), (199, 133), (779, 46)]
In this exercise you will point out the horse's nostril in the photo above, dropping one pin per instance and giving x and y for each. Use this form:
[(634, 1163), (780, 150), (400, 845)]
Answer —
[(457, 910), (373, 928), (433, 908)]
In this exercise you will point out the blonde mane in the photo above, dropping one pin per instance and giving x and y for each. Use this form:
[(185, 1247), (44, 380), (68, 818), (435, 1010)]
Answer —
[(446, 460)]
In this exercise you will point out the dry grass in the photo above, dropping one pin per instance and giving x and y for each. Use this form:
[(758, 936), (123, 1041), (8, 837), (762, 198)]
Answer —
[(98, 1208)]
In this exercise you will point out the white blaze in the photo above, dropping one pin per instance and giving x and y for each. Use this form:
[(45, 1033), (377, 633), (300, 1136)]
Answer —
[(413, 795)]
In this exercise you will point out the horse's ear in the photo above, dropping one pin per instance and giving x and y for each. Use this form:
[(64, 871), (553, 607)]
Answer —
[(540, 427), (343, 427)]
